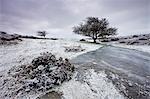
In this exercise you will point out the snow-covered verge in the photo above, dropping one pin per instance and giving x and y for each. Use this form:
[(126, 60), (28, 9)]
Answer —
[(28, 49), (94, 86), (144, 48)]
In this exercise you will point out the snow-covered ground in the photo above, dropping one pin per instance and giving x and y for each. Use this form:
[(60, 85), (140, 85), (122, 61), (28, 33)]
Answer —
[(144, 48), (26, 50), (94, 86)]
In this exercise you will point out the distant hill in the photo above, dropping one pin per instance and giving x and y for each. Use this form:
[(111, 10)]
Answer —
[(7, 39)]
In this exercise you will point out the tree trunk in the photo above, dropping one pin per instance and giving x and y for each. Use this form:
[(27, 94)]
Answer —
[(94, 40), (94, 37)]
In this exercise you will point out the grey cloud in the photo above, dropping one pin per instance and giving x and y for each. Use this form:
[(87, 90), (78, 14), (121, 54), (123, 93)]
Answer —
[(58, 16)]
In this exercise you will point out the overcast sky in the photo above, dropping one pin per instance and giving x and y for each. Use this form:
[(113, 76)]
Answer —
[(59, 16)]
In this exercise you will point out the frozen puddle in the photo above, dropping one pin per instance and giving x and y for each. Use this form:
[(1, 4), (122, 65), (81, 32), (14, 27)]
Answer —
[(94, 86)]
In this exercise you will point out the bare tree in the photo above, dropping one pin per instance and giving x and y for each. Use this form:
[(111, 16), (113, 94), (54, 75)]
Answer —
[(41, 33), (94, 27)]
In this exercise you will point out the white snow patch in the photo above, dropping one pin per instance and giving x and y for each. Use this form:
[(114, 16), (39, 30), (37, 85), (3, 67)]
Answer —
[(95, 86)]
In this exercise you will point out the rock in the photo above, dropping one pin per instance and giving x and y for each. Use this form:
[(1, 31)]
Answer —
[(122, 42), (114, 39), (105, 40), (130, 84), (40, 67), (134, 36), (132, 42), (27, 90), (143, 38), (82, 40), (54, 38)]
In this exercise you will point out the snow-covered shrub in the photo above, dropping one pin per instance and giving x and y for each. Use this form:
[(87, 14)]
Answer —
[(74, 49), (42, 74)]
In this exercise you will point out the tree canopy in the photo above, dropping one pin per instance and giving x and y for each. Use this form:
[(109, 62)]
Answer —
[(41, 33), (95, 27)]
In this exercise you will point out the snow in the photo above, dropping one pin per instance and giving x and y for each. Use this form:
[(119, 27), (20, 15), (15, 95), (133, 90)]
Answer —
[(95, 86), (144, 48), (26, 50)]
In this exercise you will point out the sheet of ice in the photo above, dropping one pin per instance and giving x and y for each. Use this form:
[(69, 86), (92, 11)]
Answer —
[(95, 86), (29, 48)]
